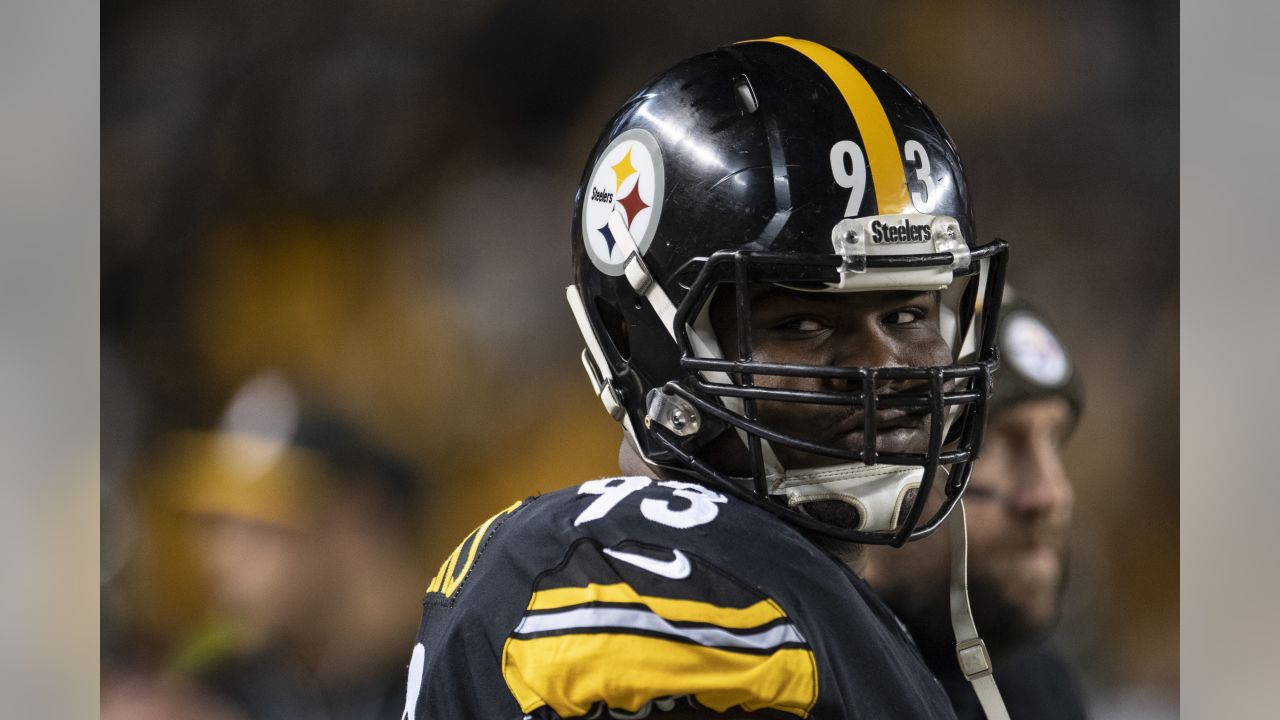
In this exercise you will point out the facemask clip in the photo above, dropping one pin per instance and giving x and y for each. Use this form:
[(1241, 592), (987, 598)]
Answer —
[(673, 413)]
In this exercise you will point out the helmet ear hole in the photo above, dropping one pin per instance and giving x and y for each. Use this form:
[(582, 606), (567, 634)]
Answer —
[(615, 327)]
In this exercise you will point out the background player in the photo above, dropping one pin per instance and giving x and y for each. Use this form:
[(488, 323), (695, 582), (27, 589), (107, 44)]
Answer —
[(303, 532)]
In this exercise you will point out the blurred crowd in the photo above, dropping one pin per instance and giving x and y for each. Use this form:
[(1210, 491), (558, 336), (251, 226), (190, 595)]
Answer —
[(334, 237)]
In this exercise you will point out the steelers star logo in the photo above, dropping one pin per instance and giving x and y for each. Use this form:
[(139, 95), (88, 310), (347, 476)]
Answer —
[(622, 200)]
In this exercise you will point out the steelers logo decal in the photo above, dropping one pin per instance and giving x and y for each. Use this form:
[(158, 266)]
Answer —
[(1033, 350), (624, 196)]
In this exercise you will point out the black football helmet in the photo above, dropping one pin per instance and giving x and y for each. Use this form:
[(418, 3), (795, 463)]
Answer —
[(782, 161)]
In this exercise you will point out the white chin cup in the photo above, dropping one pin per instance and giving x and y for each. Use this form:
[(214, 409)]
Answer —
[(877, 491)]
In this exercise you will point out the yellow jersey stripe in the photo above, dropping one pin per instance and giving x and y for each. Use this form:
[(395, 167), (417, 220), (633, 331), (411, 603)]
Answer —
[(668, 608), (887, 173), (569, 673)]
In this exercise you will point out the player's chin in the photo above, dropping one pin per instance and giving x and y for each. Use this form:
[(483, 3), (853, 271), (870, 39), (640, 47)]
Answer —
[(838, 513), (847, 516), (1012, 613), (1036, 593)]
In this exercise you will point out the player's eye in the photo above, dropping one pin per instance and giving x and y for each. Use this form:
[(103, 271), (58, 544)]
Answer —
[(802, 325), (903, 317)]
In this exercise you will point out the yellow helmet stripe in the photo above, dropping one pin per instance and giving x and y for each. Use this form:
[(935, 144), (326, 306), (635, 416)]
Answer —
[(887, 175)]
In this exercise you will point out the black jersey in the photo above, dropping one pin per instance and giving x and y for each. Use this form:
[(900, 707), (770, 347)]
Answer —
[(631, 593)]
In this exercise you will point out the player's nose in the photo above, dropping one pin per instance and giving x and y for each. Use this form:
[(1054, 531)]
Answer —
[(1042, 486)]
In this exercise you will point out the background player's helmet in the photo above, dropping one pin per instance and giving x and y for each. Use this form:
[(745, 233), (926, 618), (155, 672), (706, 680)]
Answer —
[(1034, 363), (781, 161)]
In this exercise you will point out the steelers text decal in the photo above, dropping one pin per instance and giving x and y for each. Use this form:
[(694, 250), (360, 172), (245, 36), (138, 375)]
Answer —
[(622, 200)]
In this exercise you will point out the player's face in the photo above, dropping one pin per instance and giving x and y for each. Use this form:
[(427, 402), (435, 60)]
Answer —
[(1019, 503), (868, 329)]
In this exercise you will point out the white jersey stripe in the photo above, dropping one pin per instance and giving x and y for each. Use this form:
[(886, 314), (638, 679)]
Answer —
[(597, 617)]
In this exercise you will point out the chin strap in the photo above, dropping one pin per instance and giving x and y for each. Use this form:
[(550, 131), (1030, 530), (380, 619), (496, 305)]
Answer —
[(877, 491), (975, 662)]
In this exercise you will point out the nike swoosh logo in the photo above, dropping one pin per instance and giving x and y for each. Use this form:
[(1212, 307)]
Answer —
[(676, 569)]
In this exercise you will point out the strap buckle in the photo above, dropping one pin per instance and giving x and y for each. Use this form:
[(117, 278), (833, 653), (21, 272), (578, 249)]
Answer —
[(975, 661)]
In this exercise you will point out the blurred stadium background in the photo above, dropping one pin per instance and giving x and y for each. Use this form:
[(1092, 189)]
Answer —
[(367, 204)]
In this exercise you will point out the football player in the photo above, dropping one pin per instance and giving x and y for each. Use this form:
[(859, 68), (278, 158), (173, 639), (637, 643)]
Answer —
[(775, 271), (1019, 507)]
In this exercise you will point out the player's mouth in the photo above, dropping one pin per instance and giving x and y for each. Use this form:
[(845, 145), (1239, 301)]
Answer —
[(1039, 553), (1041, 560), (1039, 567), (896, 431)]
